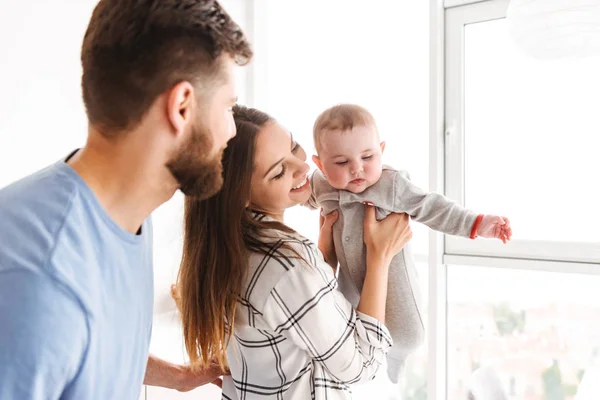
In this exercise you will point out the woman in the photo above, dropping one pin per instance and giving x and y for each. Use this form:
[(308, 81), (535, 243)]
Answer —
[(294, 335)]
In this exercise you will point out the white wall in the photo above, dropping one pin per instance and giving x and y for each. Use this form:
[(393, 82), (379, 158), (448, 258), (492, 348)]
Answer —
[(322, 52), (41, 113)]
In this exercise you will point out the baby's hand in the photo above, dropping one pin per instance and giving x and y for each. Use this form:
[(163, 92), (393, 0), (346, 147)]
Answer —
[(493, 226), (326, 237)]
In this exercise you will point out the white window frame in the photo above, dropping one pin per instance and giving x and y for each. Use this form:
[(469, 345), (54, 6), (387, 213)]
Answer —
[(447, 21), (455, 20), (437, 312)]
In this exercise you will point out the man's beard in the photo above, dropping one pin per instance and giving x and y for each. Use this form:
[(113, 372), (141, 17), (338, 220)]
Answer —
[(199, 174)]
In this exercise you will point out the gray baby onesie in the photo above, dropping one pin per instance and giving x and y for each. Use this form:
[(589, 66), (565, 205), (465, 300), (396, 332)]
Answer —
[(394, 192)]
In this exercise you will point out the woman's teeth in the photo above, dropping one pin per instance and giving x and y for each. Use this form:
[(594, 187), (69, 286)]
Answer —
[(301, 183)]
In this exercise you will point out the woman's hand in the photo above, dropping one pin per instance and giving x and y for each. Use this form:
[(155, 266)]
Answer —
[(326, 237), (383, 239), (386, 238)]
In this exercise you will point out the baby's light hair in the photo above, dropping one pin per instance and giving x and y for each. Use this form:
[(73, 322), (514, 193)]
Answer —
[(341, 117)]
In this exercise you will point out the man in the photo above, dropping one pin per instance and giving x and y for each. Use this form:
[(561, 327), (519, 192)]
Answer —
[(76, 288)]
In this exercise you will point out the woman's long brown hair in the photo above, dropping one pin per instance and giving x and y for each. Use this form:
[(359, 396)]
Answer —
[(219, 233)]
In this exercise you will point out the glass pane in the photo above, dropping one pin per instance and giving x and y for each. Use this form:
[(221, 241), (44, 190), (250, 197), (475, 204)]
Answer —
[(524, 334), (414, 386), (381, 64), (531, 137)]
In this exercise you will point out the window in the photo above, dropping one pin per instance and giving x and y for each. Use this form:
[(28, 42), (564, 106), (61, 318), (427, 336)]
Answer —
[(519, 135), (522, 133), (539, 330), (530, 130), (414, 386)]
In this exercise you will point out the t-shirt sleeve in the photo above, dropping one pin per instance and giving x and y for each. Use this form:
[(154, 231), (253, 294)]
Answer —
[(43, 336)]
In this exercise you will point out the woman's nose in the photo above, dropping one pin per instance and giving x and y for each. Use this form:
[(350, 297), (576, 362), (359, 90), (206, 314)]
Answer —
[(301, 169)]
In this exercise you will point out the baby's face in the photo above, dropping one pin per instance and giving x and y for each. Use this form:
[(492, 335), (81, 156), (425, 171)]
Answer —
[(351, 160)]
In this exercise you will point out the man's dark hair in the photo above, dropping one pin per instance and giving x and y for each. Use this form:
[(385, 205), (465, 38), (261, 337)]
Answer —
[(134, 50)]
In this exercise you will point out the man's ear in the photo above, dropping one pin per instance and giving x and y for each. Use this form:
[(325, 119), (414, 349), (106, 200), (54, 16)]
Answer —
[(180, 103), (318, 162)]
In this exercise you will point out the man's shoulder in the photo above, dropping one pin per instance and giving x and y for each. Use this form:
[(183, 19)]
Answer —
[(45, 193), (33, 211)]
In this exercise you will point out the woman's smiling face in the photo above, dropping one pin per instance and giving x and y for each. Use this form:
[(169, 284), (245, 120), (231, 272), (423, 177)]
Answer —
[(280, 176)]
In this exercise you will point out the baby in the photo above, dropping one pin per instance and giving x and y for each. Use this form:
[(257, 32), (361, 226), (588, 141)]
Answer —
[(351, 173)]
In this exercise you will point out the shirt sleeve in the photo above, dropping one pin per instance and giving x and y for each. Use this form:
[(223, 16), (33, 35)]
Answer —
[(306, 307), (43, 336), (432, 209)]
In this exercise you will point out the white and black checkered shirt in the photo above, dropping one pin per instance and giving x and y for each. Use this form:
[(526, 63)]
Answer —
[(295, 335)]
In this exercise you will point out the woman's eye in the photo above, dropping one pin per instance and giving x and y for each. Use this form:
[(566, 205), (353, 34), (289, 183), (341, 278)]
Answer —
[(279, 175)]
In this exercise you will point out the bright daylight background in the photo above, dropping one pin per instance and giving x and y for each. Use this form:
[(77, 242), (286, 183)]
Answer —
[(531, 141)]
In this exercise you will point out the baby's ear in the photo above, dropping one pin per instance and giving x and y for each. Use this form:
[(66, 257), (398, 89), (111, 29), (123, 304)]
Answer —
[(318, 162), (382, 145)]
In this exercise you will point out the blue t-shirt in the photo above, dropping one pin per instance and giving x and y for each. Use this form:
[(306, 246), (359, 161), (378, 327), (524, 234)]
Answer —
[(76, 293)]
